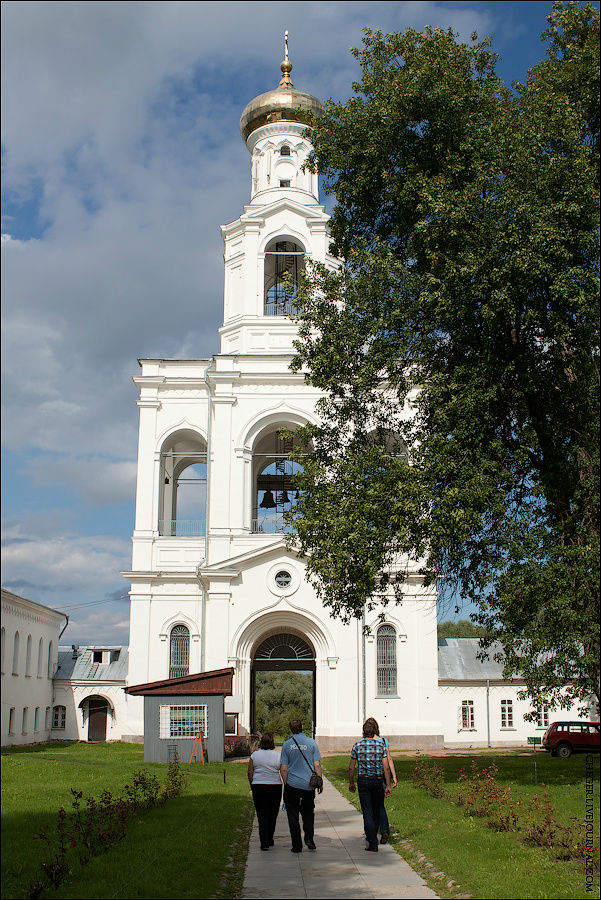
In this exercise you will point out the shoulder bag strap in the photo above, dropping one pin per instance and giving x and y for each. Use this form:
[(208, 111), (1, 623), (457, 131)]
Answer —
[(303, 755)]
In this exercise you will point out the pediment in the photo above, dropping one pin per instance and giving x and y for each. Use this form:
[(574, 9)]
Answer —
[(259, 215), (231, 567)]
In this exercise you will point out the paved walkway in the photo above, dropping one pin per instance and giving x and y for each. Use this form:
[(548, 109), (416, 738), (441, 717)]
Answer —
[(339, 868)]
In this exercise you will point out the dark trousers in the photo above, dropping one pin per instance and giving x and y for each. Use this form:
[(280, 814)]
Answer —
[(267, 804), (299, 802), (371, 798), (384, 825)]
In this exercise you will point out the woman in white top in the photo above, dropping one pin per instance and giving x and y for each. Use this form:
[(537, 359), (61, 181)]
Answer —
[(266, 785)]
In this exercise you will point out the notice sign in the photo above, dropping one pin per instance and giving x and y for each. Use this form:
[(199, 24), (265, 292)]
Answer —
[(535, 740)]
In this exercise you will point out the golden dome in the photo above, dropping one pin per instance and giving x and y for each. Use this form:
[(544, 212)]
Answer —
[(284, 103)]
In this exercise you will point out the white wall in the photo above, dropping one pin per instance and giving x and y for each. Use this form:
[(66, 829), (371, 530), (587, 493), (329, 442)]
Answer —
[(27, 692)]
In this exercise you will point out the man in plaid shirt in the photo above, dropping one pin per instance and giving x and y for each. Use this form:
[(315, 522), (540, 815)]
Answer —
[(370, 756)]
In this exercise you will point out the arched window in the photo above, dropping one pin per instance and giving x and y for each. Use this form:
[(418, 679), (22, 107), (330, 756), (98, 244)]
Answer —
[(284, 262), (179, 652), (41, 658), (386, 660), (183, 484), (28, 657), (16, 654), (285, 150), (275, 492), (50, 659)]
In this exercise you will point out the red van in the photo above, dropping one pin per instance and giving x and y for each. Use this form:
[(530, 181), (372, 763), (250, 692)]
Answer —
[(563, 738)]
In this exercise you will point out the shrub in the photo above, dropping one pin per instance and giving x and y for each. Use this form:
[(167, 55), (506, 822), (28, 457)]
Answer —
[(429, 777), (97, 824)]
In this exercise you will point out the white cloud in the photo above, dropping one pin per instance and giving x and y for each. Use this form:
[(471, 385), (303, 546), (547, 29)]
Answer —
[(63, 564)]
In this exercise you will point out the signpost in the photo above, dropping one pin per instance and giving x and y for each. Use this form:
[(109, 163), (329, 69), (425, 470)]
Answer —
[(535, 741)]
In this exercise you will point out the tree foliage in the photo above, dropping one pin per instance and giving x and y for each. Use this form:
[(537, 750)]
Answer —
[(281, 696), (463, 628), (463, 325)]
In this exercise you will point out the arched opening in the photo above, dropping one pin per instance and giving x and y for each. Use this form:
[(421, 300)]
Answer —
[(183, 486), (273, 476), (283, 684), (95, 710), (284, 262)]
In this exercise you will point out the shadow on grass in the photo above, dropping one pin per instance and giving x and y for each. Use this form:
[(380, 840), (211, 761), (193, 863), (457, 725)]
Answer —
[(180, 849)]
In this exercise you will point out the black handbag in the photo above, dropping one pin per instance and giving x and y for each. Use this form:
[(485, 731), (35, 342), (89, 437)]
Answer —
[(315, 781)]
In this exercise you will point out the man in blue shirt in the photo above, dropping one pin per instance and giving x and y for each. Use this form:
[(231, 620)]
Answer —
[(300, 758)]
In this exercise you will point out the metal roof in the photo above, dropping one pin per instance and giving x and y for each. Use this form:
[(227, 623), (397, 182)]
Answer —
[(83, 667), (458, 660)]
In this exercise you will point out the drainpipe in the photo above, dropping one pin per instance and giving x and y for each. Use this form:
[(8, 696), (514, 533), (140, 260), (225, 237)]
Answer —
[(203, 590), (488, 710), (64, 627), (363, 672)]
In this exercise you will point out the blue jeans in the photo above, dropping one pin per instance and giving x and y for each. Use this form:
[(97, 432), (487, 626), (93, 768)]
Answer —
[(371, 798)]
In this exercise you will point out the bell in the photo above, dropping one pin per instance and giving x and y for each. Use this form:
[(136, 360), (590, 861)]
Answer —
[(267, 502)]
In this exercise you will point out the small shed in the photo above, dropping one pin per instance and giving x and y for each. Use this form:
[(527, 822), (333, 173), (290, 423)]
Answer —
[(176, 709)]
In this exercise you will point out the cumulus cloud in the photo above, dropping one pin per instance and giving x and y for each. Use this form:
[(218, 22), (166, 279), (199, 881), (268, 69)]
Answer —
[(63, 564)]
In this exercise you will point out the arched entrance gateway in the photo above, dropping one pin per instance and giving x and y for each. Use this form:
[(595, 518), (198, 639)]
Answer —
[(281, 653)]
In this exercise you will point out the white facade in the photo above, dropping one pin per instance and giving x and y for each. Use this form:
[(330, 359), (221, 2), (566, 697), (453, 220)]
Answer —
[(89, 697), (30, 633), (211, 577)]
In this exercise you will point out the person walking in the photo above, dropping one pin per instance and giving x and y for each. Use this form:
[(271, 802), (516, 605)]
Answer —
[(266, 786), (384, 824), (370, 757), (299, 763)]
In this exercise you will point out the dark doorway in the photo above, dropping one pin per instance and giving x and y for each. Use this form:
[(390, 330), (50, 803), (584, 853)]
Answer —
[(283, 684), (97, 708)]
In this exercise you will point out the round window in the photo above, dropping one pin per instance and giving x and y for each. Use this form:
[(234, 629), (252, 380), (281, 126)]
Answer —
[(283, 579)]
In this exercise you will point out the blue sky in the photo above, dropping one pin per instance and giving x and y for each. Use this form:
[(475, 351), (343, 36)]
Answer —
[(121, 158)]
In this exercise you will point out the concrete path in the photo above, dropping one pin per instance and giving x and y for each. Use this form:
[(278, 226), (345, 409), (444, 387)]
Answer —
[(339, 868)]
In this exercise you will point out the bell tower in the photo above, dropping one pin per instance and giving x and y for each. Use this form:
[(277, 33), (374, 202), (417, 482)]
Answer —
[(283, 224)]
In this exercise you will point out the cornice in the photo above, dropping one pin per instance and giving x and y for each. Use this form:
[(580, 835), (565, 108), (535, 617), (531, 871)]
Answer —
[(30, 611)]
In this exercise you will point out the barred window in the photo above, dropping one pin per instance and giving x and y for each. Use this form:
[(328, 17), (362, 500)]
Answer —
[(59, 716), (179, 652), (468, 719), (386, 656), (182, 721), (506, 713)]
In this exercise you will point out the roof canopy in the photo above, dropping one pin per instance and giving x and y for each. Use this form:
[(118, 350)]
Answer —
[(218, 681)]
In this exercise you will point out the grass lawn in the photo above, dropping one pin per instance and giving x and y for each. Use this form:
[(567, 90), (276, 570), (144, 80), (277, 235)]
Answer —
[(193, 846), (486, 863)]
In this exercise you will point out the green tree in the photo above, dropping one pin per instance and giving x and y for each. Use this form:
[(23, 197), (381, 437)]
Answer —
[(463, 628), (281, 696), (463, 325)]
